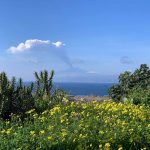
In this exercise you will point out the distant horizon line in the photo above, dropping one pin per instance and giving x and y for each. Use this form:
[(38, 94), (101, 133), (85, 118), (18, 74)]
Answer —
[(80, 82)]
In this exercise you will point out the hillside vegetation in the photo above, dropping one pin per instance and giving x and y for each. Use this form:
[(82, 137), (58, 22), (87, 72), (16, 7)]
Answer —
[(133, 87), (38, 117), (17, 98), (76, 125)]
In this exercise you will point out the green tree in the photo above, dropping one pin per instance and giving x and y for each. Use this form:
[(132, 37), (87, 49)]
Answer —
[(17, 98), (129, 82), (14, 97)]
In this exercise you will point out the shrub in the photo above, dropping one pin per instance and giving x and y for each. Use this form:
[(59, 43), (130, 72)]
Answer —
[(45, 96), (130, 82), (17, 98), (76, 125), (139, 96), (14, 98)]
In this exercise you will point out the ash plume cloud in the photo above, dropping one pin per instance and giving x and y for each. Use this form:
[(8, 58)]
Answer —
[(51, 48)]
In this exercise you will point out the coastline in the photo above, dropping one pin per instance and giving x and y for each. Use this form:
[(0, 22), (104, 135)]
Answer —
[(88, 98)]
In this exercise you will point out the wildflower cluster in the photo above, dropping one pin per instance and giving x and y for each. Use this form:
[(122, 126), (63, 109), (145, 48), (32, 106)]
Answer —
[(78, 125)]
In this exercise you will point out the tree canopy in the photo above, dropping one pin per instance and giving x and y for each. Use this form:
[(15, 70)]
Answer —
[(130, 83)]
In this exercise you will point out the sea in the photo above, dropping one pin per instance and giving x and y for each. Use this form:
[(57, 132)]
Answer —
[(83, 89)]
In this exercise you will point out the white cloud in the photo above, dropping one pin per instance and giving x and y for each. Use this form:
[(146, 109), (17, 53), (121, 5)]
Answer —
[(45, 45), (58, 44), (27, 45)]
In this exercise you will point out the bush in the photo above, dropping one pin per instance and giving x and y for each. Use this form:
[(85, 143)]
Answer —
[(17, 98), (14, 97), (131, 83), (45, 96), (139, 96), (76, 125)]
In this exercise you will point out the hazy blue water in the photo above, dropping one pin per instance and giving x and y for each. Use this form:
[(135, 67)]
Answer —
[(95, 89)]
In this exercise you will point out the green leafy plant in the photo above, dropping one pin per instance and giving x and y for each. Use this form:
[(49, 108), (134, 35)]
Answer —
[(17, 98), (14, 97), (131, 82), (45, 95), (139, 96), (44, 83), (80, 125)]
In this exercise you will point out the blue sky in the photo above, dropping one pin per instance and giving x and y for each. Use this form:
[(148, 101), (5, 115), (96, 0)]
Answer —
[(82, 40)]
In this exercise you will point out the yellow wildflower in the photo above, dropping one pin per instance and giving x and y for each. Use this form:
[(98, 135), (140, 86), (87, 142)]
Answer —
[(100, 145), (50, 138), (120, 148), (42, 132), (30, 111), (3, 131), (107, 145), (9, 131), (50, 128), (32, 133)]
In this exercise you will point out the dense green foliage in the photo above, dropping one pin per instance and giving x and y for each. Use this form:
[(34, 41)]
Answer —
[(39, 117), (78, 125), (45, 96), (16, 98), (134, 86), (139, 96)]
